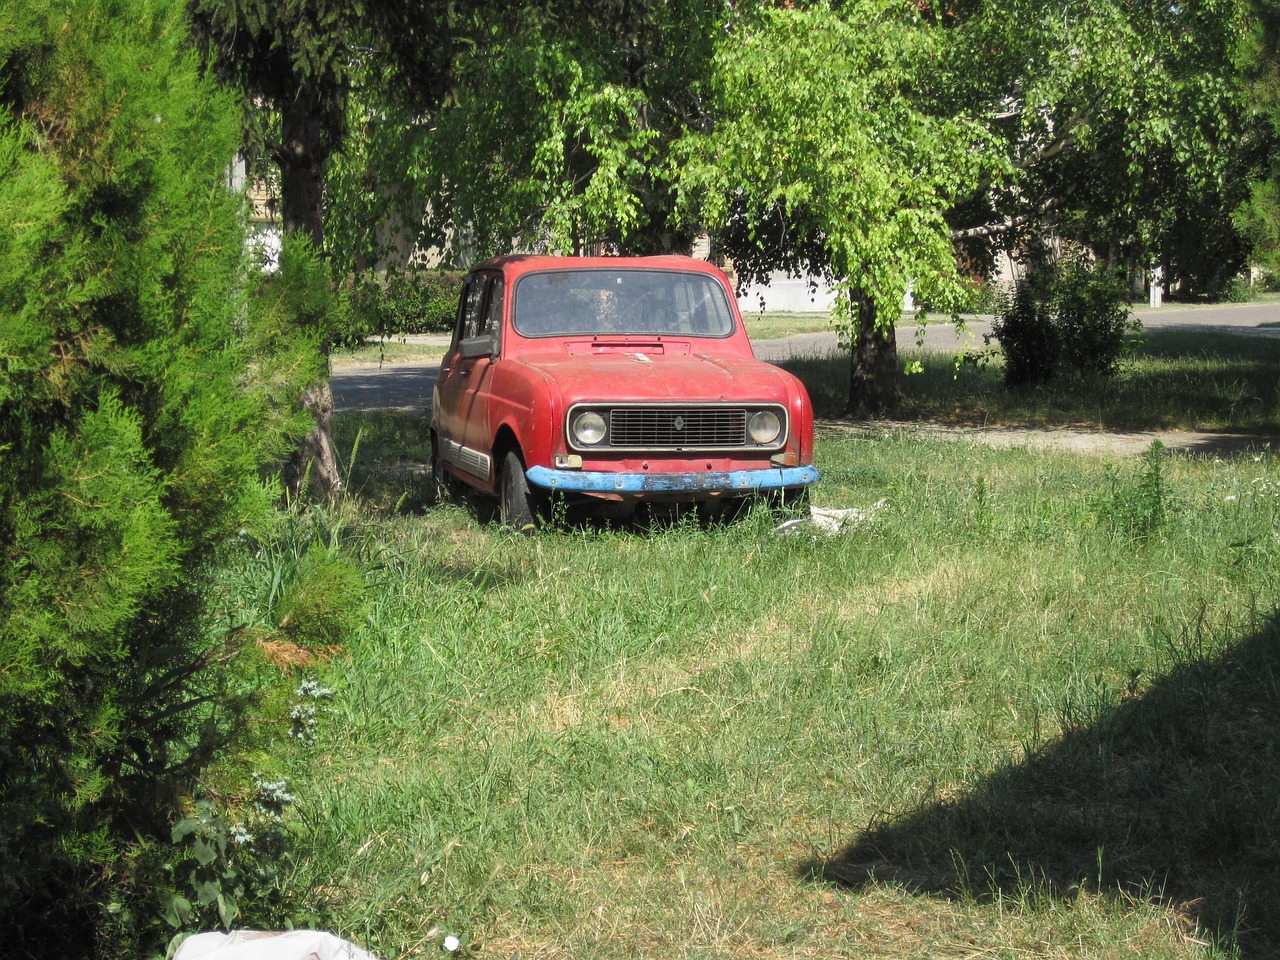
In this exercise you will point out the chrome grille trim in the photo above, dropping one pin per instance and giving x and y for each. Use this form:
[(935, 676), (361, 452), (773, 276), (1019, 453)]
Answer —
[(676, 427)]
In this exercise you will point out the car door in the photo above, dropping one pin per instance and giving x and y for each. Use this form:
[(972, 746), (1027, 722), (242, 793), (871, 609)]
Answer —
[(462, 390)]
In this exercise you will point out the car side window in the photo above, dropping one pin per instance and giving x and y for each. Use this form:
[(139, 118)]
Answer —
[(472, 316), (492, 321)]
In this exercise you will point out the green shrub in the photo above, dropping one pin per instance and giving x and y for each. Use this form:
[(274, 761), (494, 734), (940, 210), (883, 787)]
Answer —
[(1077, 314), (1269, 282), (983, 297), (1236, 290), (410, 301), (1091, 314), (1139, 506), (1028, 337), (129, 453), (324, 601)]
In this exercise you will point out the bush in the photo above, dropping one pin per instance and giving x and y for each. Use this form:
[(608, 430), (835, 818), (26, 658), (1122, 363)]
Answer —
[(1269, 282), (1092, 317), (1236, 290), (982, 297), (1077, 314), (410, 301), (129, 453), (1029, 339)]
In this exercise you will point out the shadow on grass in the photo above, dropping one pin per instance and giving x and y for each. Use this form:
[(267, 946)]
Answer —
[(1173, 796), (1178, 379)]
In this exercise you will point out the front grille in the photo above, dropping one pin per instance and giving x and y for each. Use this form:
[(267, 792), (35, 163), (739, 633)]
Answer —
[(677, 427), (650, 428)]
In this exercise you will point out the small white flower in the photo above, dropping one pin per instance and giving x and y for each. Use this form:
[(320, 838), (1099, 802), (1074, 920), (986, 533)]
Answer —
[(1231, 499), (452, 943)]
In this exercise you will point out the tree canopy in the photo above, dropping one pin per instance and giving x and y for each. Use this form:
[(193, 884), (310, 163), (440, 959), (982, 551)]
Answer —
[(874, 142)]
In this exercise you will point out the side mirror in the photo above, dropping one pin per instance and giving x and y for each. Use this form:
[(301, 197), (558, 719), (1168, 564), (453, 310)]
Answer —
[(483, 346)]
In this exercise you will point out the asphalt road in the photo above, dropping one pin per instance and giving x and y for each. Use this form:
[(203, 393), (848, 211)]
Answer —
[(406, 387), (402, 387)]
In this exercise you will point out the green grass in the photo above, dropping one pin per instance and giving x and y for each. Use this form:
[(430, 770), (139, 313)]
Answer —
[(776, 325), (1176, 380), (391, 351), (1028, 709), (1019, 713)]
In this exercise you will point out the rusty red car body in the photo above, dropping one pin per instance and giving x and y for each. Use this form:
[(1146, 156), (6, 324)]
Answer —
[(615, 380)]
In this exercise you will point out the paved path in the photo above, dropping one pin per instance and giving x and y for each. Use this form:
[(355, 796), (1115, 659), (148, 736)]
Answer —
[(402, 387), (1117, 443)]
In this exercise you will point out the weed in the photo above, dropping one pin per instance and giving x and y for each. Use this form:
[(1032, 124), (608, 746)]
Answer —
[(1139, 506)]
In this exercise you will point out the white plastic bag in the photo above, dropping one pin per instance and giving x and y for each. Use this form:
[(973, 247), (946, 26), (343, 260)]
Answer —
[(265, 945)]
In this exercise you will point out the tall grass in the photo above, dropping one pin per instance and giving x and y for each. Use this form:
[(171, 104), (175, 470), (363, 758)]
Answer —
[(998, 718)]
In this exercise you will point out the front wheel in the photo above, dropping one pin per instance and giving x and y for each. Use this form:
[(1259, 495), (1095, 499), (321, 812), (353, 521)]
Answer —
[(517, 506)]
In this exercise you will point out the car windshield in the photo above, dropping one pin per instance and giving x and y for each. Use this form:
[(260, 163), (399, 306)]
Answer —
[(631, 301)]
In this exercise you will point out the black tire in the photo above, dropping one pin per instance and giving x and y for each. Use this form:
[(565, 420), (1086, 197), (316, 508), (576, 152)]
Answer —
[(517, 506)]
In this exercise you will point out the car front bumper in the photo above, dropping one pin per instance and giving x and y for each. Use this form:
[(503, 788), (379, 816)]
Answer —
[(708, 483)]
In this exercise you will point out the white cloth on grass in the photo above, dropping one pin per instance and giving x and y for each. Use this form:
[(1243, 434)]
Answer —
[(265, 945)]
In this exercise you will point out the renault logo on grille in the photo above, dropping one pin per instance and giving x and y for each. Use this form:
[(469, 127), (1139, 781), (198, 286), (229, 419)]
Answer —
[(678, 423)]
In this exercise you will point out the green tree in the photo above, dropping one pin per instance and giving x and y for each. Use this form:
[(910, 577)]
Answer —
[(130, 443), (555, 133), (868, 142), (827, 157), (294, 66), (1258, 57), (1123, 125)]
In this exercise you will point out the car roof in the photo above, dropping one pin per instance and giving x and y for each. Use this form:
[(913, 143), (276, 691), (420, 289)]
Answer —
[(517, 264)]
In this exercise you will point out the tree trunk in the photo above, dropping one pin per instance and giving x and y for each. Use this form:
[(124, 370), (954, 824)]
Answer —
[(302, 155), (315, 463), (873, 363)]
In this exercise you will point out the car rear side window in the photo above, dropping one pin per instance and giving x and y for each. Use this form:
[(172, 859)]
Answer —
[(632, 301)]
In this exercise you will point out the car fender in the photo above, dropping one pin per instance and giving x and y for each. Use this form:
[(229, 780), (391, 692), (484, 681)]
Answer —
[(527, 406)]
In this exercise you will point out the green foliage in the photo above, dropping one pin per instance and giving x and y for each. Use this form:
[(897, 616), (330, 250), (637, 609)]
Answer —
[(323, 602), (1128, 127), (408, 301), (226, 870), (559, 130), (1091, 304), (824, 128), (1029, 339), (1237, 290), (1074, 313), (132, 430), (1138, 506)]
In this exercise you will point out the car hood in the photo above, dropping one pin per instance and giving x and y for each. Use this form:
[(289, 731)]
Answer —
[(642, 377)]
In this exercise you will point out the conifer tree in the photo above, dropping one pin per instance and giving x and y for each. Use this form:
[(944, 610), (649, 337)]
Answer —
[(130, 440)]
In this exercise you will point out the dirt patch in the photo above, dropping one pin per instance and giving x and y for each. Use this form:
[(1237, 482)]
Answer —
[(1070, 439)]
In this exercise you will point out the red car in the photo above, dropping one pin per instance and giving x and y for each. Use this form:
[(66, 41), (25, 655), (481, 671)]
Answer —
[(622, 381)]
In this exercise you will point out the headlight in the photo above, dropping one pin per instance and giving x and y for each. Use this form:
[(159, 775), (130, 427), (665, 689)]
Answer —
[(588, 428), (764, 427)]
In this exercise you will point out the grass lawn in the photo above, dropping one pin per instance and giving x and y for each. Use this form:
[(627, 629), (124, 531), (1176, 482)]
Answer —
[(392, 350), (1028, 708), (1176, 379)]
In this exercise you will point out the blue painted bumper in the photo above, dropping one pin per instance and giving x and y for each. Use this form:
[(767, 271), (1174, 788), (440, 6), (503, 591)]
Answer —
[(733, 481)]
